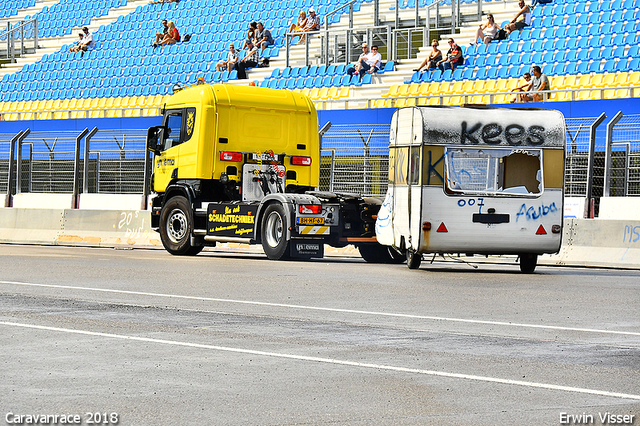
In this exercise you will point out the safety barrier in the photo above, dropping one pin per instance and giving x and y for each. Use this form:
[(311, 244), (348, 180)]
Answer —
[(599, 243), (586, 242)]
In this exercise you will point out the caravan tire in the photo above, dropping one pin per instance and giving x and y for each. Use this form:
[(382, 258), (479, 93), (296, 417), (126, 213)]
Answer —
[(528, 263), (413, 259)]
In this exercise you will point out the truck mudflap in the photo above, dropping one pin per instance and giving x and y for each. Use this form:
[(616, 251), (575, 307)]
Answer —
[(306, 249)]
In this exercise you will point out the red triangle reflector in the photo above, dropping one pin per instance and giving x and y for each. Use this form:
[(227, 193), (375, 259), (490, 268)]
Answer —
[(541, 231), (442, 228)]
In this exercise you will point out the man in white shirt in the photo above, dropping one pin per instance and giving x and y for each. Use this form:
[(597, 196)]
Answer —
[(88, 42), (371, 63)]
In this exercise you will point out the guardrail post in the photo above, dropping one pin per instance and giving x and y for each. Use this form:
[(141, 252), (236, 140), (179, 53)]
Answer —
[(591, 160), (76, 169), (16, 140), (607, 154), (85, 168)]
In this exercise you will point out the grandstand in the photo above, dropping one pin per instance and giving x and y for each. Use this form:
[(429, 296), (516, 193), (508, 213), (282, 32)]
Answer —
[(588, 48)]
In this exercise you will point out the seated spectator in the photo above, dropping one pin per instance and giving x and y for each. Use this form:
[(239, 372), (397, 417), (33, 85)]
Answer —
[(521, 20), (263, 37), (527, 80), (76, 47), (161, 35), (453, 58), (249, 61), (88, 42), (432, 60), (251, 34), (299, 26), (372, 62), (534, 2), (363, 56), (538, 86), (313, 24), (230, 63), (313, 21), (488, 32), (172, 36)]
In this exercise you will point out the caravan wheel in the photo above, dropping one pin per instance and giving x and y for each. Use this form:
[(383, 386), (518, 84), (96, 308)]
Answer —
[(528, 263), (413, 259)]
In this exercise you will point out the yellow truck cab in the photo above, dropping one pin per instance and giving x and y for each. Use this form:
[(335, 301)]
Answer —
[(242, 164)]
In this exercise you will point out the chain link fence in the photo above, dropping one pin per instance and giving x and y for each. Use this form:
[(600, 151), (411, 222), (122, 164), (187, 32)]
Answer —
[(577, 158), (5, 143), (116, 164), (355, 158), (625, 157)]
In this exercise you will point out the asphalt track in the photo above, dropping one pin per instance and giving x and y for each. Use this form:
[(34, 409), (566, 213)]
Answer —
[(231, 338)]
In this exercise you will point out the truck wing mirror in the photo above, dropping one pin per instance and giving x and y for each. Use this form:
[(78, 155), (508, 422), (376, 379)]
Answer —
[(154, 140)]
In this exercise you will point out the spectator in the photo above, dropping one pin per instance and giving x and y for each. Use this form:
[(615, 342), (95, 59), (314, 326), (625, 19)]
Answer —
[(313, 21), (88, 42), (453, 58), (161, 35), (172, 36), (313, 24), (76, 47), (434, 57), (263, 37), (230, 63), (534, 2), (249, 61), (298, 27), (527, 79), (251, 34), (372, 62), (488, 32), (521, 20), (363, 56), (539, 84)]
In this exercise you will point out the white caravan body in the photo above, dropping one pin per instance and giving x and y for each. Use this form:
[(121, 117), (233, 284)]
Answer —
[(474, 180)]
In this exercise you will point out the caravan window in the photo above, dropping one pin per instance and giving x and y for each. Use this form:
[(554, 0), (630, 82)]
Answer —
[(493, 170)]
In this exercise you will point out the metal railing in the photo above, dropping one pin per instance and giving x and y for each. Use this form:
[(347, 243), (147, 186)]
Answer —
[(622, 162), (354, 158), (19, 38), (397, 38)]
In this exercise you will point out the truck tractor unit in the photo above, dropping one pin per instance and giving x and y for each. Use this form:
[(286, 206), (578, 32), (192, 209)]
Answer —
[(242, 164)]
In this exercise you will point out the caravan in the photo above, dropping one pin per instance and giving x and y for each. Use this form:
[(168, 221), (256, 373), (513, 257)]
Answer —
[(483, 180)]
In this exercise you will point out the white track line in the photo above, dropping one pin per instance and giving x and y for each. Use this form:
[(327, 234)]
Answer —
[(318, 308), (332, 361)]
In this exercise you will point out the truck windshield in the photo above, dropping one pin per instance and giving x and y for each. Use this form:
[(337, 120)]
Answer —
[(493, 170)]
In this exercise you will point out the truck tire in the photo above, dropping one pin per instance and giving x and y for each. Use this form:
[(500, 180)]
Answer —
[(273, 232), (176, 226), (528, 263), (377, 253), (413, 259)]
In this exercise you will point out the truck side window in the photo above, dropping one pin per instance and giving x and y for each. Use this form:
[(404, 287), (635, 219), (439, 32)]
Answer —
[(174, 123)]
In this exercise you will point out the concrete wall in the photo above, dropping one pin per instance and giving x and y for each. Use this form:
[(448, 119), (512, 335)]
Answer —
[(106, 228), (586, 242)]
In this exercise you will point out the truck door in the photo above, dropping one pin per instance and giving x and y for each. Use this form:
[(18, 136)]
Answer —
[(177, 131)]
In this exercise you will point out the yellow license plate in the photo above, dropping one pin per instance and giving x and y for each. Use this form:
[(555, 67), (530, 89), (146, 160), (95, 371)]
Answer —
[(311, 221)]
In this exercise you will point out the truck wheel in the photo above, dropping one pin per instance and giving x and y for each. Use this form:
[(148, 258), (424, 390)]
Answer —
[(273, 232), (413, 259), (528, 262), (176, 226)]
